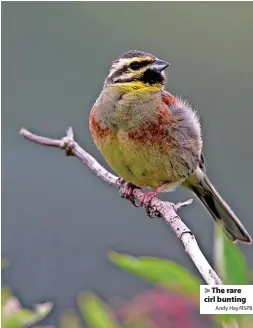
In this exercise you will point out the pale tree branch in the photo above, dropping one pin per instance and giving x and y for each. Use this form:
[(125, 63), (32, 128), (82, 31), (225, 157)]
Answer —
[(165, 210)]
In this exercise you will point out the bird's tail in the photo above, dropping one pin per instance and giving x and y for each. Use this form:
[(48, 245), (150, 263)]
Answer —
[(218, 208)]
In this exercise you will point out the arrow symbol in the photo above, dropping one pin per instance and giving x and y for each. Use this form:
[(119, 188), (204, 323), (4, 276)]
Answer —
[(207, 290)]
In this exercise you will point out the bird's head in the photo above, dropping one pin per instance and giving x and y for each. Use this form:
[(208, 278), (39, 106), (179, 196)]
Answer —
[(137, 68)]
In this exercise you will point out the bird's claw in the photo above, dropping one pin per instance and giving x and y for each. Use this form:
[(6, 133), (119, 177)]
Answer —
[(126, 191), (146, 202)]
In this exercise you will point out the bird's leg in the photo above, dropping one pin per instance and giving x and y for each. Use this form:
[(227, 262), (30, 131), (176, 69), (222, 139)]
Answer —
[(127, 191), (148, 196)]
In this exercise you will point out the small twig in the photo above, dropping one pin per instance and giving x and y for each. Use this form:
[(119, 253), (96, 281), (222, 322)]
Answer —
[(166, 210), (183, 204)]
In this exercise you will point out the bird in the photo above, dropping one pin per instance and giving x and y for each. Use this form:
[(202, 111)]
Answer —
[(153, 139)]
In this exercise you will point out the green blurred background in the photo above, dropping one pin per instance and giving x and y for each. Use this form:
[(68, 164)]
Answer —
[(59, 220)]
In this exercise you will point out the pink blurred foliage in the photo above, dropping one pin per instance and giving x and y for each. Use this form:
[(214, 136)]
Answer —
[(159, 308)]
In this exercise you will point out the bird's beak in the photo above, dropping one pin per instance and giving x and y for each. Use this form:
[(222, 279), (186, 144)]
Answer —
[(159, 65)]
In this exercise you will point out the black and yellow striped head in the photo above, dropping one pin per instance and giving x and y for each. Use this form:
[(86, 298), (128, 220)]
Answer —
[(135, 65)]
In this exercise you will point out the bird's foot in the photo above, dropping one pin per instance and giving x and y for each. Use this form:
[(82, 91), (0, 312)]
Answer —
[(148, 197), (126, 191), (146, 201)]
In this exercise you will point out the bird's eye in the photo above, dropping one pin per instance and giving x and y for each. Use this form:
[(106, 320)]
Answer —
[(135, 65)]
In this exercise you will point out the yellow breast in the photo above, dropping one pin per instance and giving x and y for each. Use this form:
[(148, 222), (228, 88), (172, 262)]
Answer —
[(144, 167)]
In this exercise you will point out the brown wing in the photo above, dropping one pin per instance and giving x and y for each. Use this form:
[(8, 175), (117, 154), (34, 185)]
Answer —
[(98, 132)]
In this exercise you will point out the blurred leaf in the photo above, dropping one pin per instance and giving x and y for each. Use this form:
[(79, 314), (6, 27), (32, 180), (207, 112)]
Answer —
[(10, 306), (15, 317), (230, 262), (69, 319), (95, 312), (247, 322), (11, 323), (159, 272), (5, 294)]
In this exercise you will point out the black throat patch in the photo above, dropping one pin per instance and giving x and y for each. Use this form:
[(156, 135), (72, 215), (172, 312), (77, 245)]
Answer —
[(152, 77)]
